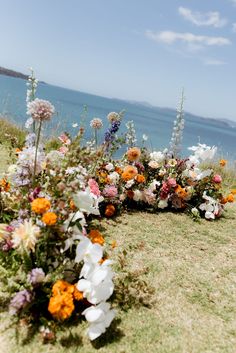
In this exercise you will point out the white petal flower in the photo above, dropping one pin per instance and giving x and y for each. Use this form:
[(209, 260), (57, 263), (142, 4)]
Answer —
[(157, 156), (88, 252), (87, 202)]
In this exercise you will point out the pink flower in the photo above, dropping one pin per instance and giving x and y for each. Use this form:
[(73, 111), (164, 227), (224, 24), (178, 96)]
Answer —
[(40, 109), (94, 188), (110, 191), (164, 190), (63, 149), (217, 179), (64, 139), (171, 182)]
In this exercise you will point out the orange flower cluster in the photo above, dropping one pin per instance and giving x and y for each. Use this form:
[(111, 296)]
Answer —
[(129, 173), (223, 162), (5, 185), (49, 218), (61, 304), (233, 191), (140, 178), (133, 154), (102, 176), (110, 210), (229, 198), (40, 205), (181, 192), (96, 237)]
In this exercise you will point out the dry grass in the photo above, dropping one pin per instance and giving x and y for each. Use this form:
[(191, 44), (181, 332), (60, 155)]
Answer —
[(191, 266)]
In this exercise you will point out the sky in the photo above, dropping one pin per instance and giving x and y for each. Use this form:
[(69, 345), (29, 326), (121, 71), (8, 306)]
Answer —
[(142, 50)]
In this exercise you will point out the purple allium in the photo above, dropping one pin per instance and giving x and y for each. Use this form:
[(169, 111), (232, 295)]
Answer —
[(36, 276), (20, 301), (40, 109)]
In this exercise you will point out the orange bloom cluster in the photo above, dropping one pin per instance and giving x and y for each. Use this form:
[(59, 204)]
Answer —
[(61, 304), (96, 237), (229, 198), (49, 218), (40, 205), (5, 185), (140, 178), (133, 154), (233, 191), (223, 162), (181, 192), (129, 173), (110, 210)]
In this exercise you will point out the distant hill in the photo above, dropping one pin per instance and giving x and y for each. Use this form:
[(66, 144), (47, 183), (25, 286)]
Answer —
[(12, 73)]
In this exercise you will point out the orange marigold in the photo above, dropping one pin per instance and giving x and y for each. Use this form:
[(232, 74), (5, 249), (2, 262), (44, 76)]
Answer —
[(230, 198), (181, 192), (61, 287), (77, 294), (133, 154), (233, 191), (61, 306), (110, 210), (40, 205), (5, 185), (129, 173), (49, 218), (118, 170), (223, 162), (140, 178), (96, 237)]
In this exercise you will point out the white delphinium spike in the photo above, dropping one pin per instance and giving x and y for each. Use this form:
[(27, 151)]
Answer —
[(177, 133), (131, 134), (32, 84)]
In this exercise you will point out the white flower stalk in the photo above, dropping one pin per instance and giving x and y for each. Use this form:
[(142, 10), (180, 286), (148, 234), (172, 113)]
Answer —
[(177, 133), (131, 139), (32, 84)]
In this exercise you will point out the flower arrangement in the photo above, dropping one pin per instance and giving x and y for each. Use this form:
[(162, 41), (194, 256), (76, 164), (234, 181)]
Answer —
[(58, 263)]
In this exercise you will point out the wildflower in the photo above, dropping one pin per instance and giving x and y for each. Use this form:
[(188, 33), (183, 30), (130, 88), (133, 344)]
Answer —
[(110, 191), (96, 237), (110, 133), (223, 162), (20, 301), (77, 294), (217, 179), (40, 110), (195, 212), (96, 123), (172, 162), (36, 276), (114, 178), (177, 133), (87, 251), (181, 192), (149, 197), (49, 218), (137, 195), (40, 205), (210, 206), (109, 167), (113, 116), (74, 125), (61, 287), (110, 210), (140, 178), (163, 203), (133, 154), (233, 191), (129, 173), (26, 235), (203, 152), (171, 182), (87, 202), (162, 172), (64, 138), (99, 317)]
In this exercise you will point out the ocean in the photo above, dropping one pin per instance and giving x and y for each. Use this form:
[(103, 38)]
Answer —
[(74, 107)]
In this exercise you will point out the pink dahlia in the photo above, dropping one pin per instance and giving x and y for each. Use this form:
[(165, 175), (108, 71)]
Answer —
[(110, 191)]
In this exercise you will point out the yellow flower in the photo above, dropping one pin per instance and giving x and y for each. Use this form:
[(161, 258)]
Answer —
[(223, 162)]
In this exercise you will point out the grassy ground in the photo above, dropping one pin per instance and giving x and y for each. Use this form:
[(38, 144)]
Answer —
[(192, 268)]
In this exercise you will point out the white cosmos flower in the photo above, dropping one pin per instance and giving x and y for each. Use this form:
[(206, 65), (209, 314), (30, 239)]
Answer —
[(203, 152), (87, 251), (114, 177), (87, 202), (99, 317)]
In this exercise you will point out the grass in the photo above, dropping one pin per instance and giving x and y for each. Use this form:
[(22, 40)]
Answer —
[(192, 268)]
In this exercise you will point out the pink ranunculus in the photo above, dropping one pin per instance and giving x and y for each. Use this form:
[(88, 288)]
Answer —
[(171, 182), (217, 179), (94, 188), (110, 191)]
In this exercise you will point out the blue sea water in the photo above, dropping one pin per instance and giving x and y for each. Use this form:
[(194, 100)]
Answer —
[(155, 122)]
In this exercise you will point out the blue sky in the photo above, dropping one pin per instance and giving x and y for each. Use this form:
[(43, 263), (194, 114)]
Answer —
[(144, 50)]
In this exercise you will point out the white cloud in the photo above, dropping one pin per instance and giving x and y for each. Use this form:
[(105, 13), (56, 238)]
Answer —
[(214, 62), (234, 27), (170, 37), (211, 18)]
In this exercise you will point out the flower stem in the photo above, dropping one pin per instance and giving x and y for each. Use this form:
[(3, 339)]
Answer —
[(36, 148), (96, 137)]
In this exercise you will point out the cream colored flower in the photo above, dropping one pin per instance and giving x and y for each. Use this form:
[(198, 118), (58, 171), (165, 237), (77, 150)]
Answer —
[(26, 235)]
